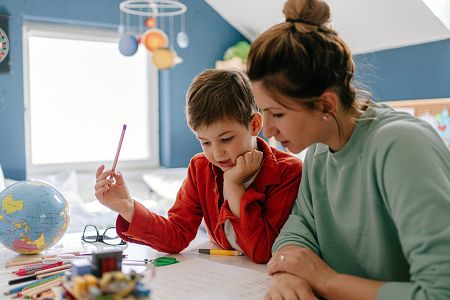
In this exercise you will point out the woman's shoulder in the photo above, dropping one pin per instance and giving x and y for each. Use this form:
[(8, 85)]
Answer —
[(401, 131), (401, 126)]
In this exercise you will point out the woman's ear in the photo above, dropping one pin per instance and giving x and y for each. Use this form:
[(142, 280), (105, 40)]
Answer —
[(328, 103), (256, 123)]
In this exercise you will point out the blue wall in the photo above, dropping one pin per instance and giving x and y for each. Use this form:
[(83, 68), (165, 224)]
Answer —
[(414, 72), (209, 36), (421, 71)]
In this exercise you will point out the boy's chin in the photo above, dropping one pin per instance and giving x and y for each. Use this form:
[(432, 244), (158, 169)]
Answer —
[(224, 168)]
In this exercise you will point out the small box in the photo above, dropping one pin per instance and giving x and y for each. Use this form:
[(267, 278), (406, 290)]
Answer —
[(106, 261)]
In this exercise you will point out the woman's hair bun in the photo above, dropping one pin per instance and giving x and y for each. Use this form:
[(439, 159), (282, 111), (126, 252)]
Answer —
[(315, 12)]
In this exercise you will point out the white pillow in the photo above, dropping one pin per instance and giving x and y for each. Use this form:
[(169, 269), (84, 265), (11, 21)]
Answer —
[(165, 181)]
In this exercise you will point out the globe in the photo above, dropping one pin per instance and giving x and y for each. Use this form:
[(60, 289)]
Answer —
[(34, 216)]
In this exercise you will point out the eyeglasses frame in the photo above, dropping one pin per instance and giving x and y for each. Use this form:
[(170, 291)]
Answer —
[(100, 237)]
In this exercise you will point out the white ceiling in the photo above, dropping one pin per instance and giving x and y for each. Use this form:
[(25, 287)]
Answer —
[(366, 25)]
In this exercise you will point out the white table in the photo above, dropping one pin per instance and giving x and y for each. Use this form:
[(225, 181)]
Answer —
[(72, 242)]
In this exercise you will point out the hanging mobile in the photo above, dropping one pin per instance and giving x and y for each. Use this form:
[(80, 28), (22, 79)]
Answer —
[(156, 40)]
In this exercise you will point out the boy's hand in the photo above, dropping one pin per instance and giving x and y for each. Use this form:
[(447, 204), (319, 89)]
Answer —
[(246, 166), (113, 193)]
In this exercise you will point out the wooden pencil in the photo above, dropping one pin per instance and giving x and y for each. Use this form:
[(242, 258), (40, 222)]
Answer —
[(49, 270), (42, 276), (23, 262), (40, 282), (46, 295), (42, 288)]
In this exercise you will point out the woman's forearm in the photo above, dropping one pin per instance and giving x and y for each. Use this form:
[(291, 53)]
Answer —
[(347, 287)]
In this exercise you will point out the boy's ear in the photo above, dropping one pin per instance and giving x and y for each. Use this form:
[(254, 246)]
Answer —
[(256, 123)]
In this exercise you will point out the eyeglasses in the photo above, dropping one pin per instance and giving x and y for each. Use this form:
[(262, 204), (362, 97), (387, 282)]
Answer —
[(109, 236)]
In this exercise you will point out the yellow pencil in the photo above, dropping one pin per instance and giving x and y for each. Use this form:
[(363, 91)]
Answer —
[(221, 252)]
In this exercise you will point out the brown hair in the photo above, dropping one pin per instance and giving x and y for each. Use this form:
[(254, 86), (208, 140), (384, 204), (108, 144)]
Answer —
[(303, 57), (217, 95)]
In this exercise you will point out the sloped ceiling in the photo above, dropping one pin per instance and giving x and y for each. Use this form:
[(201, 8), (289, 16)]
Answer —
[(366, 25)]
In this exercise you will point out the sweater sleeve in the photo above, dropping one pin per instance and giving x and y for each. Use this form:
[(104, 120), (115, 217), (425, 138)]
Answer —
[(300, 228), (263, 214), (171, 234), (415, 180)]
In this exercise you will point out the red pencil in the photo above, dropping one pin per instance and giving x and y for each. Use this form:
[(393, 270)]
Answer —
[(33, 269), (118, 150)]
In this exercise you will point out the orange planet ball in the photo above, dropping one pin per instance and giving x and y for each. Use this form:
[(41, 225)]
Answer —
[(150, 22), (154, 39)]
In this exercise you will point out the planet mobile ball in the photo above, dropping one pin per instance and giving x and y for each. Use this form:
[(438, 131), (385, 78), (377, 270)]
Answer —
[(154, 39), (164, 58), (128, 45), (182, 39)]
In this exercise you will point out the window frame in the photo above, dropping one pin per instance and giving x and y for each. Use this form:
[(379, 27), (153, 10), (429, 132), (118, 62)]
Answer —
[(86, 33)]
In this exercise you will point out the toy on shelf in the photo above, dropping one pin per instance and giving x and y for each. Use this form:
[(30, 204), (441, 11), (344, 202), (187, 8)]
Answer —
[(154, 39), (235, 57)]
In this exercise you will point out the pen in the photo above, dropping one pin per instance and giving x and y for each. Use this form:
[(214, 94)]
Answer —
[(221, 252), (22, 279), (118, 150)]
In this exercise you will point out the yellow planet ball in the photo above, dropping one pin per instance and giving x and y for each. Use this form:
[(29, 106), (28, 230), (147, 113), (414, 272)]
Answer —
[(164, 58)]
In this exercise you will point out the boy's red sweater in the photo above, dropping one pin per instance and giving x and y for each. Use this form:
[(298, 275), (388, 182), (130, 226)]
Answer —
[(265, 208)]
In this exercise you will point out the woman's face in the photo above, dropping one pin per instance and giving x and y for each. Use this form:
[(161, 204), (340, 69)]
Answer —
[(296, 128)]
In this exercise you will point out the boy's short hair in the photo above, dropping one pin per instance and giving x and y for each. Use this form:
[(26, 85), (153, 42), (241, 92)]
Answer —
[(216, 95)]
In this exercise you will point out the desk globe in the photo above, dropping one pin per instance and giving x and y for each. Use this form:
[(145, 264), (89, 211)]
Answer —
[(34, 216)]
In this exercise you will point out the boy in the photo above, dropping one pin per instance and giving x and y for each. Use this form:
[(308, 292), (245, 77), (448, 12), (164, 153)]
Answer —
[(243, 188)]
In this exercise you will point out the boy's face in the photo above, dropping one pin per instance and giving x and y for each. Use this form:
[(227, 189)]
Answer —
[(225, 140)]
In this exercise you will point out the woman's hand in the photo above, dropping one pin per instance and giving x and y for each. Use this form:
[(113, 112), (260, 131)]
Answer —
[(113, 193), (304, 263), (285, 286)]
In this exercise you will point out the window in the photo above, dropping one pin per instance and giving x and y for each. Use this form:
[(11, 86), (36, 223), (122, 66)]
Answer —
[(79, 91)]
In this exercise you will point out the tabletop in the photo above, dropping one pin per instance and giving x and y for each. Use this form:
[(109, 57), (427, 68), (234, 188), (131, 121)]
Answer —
[(190, 260)]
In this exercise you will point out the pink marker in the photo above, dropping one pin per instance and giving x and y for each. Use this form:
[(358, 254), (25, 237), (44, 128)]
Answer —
[(118, 150)]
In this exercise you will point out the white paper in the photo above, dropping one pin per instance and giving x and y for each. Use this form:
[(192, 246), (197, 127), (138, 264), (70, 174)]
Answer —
[(205, 279)]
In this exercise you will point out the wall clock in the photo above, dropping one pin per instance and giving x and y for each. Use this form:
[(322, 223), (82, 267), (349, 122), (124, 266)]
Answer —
[(4, 44)]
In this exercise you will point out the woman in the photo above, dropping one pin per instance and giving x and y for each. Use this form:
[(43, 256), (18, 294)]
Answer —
[(372, 215)]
